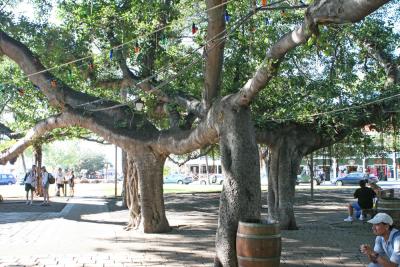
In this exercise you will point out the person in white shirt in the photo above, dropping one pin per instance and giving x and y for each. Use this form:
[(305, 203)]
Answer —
[(386, 252), (30, 184), (60, 181), (45, 185)]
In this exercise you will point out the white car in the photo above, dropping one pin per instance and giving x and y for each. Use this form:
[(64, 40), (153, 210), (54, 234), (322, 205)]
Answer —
[(213, 179)]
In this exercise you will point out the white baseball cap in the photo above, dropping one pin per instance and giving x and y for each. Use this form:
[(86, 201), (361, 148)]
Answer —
[(381, 218)]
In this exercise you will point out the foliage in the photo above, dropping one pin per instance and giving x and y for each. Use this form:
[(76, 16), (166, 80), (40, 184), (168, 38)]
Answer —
[(91, 162), (71, 155)]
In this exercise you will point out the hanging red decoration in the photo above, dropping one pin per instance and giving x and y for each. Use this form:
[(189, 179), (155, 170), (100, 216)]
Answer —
[(194, 28), (21, 91), (264, 2), (53, 84), (91, 67), (137, 48)]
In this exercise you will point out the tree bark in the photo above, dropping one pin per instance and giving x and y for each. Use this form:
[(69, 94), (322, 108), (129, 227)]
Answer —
[(285, 162), (145, 173), (241, 194), (124, 161), (131, 196)]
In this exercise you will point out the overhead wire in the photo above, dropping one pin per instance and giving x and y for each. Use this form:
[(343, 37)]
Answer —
[(345, 109), (183, 70)]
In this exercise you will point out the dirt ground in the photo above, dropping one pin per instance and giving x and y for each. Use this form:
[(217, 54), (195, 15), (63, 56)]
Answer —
[(323, 238)]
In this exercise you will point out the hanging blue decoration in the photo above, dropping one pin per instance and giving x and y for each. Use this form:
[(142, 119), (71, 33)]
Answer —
[(266, 21), (227, 16), (111, 54), (36, 87)]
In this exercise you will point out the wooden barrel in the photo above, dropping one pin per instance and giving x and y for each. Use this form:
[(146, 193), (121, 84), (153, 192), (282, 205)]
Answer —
[(391, 207), (258, 244)]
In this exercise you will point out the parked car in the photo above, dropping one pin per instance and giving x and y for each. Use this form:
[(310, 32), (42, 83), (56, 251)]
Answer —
[(354, 178), (213, 179), (305, 178), (8, 179), (177, 179)]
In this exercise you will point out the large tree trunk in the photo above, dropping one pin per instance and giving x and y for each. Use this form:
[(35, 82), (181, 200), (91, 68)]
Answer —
[(124, 160), (285, 162), (37, 154), (241, 194), (145, 173), (131, 193)]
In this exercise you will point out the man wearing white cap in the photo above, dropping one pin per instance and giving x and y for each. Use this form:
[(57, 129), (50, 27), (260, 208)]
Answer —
[(386, 252)]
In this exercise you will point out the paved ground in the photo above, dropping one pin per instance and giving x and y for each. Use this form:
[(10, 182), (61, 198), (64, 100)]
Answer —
[(88, 231)]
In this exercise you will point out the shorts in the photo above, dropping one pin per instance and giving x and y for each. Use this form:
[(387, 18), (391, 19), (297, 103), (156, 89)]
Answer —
[(357, 208), (60, 186), (46, 186), (29, 187)]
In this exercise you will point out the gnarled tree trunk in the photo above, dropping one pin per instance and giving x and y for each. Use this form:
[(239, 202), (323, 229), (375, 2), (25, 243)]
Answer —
[(284, 163), (241, 194), (131, 193), (124, 160), (145, 191)]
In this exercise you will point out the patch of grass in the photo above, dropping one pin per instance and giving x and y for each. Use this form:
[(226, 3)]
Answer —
[(176, 188)]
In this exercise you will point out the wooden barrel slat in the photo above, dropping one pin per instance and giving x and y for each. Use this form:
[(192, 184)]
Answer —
[(258, 244), (391, 207)]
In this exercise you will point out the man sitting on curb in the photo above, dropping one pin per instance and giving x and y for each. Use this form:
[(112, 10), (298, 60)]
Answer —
[(386, 251), (365, 200)]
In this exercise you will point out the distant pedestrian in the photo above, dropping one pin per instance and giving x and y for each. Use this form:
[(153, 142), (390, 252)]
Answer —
[(30, 184), (60, 182), (386, 250), (71, 182), (45, 185), (365, 200)]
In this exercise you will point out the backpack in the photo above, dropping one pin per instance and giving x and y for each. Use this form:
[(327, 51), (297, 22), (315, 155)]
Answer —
[(51, 179)]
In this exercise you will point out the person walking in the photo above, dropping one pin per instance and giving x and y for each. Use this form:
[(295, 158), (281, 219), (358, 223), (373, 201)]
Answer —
[(71, 182), (60, 182), (365, 200), (386, 252), (30, 184), (45, 185)]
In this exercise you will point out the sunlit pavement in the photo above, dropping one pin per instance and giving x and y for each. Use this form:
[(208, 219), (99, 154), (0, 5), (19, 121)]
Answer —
[(87, 233)]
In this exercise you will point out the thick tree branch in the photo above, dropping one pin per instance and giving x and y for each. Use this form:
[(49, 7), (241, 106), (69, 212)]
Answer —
[(386, 61), (213, 51), (321, 12), (4, 130), (131, 80), (36, 132)]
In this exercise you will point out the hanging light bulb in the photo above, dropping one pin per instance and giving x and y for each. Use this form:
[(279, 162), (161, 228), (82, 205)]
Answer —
[(194, 28), (111, 54), (283, 13), (264, 2), (227, 16)]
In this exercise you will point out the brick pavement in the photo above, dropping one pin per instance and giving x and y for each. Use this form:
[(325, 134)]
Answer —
[(89, 233)]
